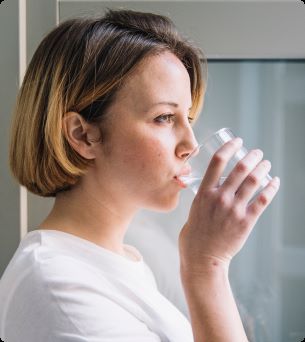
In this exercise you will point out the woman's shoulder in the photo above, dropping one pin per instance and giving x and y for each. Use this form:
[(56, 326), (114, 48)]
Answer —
[(55, 260), (45, 286), (38, 259)]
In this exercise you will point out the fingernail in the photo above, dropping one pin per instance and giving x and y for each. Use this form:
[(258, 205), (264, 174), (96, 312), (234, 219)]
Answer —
[(277, 180), (259, 152)]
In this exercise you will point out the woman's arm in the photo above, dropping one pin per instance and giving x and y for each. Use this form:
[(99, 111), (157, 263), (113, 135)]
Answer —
[(220, 221), (214, 315)]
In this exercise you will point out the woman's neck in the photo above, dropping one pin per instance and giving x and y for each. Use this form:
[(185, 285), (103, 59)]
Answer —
[(87, 216)]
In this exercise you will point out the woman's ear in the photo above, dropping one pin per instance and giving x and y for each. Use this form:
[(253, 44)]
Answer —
[(81, 135)]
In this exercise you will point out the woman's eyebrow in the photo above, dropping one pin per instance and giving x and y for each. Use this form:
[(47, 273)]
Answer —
[(173, 104)]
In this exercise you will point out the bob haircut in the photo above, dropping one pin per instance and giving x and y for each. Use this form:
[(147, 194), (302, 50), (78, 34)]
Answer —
[(79, 66)]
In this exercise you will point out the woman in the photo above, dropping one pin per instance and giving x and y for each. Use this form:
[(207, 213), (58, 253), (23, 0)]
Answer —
[(103, 124)]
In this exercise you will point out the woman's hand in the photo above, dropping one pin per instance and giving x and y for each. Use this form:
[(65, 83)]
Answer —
[(220, 218)]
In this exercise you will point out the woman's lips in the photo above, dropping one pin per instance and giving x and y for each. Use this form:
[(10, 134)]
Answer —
[(184, 172)]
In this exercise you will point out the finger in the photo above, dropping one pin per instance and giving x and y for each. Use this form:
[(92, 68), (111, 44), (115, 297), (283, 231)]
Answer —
[(261, 202), (253, 182), (219, 162), (242, 170)]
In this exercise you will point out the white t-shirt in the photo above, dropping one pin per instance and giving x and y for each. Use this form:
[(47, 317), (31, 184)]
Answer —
[(62, 288)]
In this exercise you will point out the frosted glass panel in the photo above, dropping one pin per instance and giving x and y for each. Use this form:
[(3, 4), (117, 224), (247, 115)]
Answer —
[(294, 180), (293, 303), (264, 102)]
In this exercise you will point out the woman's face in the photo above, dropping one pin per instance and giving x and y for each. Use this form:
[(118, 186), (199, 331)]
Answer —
[(150, 135)]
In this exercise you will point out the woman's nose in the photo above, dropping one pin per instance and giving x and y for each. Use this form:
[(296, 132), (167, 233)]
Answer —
[(188, 145), (191, 153), (187, 149)]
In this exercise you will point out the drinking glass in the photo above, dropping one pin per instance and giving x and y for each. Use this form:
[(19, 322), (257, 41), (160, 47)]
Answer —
[(198, 161)]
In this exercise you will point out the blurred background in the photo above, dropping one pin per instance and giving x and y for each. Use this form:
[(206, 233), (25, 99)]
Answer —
[(256, 86)]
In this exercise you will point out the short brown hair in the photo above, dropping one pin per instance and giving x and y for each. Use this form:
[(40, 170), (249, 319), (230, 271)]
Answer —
[(79, 66)]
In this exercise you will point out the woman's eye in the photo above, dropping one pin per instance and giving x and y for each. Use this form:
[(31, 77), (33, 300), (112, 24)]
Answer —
[(167, 118)]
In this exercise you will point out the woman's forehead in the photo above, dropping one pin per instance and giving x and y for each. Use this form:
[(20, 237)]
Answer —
[(156, 80)]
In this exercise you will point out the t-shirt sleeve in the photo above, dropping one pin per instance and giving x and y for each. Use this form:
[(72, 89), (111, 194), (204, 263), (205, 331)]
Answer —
[(61, 300)]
